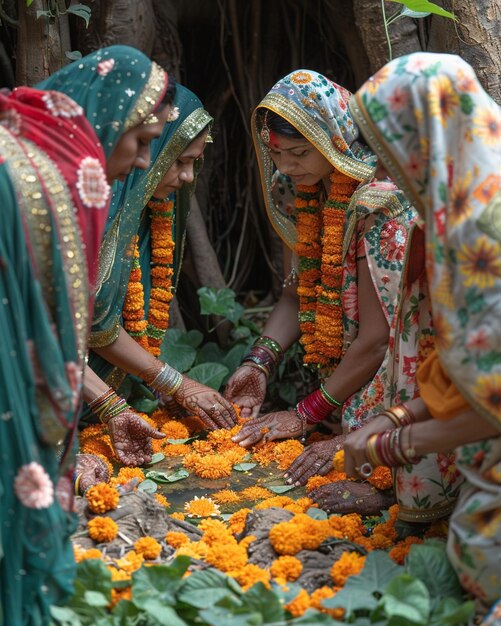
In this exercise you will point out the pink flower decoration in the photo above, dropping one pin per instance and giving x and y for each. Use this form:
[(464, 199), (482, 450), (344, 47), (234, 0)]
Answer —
[(61, 105), (11, 120), (105, 67), (33, 486), (92, 186)]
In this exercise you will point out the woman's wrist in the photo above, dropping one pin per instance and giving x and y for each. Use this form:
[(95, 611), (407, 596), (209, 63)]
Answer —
[(265, 354), (107, 406), (163, 378)]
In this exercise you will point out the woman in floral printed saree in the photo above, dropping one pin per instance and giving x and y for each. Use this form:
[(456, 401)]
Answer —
[(443, 147), (139, 267), (347, 295), (54, 197)]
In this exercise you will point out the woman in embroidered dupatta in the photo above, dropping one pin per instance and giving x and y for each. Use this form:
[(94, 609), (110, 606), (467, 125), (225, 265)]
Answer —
[(375, 366), (137, 205), (54, 204), (439, 135)]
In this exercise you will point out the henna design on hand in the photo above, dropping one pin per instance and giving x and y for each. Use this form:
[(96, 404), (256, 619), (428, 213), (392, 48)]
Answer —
[(92, 470), (279, 425), (210, 406), (131, 438), (315, 460), (348, 496), (247, 388)]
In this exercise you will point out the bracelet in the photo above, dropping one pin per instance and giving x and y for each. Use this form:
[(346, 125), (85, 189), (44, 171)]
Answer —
[(303, 419), (77, 484), (262, 356), (107, 405), (258, 366), (271, 344), (315, 407), (167, 381), (329, 398), (387, 448)]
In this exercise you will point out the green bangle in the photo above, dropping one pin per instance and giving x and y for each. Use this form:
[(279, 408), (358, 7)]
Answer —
[(271, 344), (329, 398)]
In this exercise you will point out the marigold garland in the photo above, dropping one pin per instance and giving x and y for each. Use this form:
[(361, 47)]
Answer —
[(319, 249), (149, 332)]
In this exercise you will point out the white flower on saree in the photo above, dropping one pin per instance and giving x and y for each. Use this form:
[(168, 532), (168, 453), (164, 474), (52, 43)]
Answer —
[(105, 67), (61, 105), (33, 486), (92, 185), (130, 92)]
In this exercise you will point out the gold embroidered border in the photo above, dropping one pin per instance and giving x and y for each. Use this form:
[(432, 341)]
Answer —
[(426, 515), (101, 338), (149, 97)]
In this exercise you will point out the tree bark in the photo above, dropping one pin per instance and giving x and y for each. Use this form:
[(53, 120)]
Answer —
[(41, 43), (476, 37)]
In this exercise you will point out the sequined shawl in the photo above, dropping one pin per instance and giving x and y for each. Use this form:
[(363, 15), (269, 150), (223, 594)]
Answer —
[(318, 109), (439, 135), (127, 214), (117, 87)]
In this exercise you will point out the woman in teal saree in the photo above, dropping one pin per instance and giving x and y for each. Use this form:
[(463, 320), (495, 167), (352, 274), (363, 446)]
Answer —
[(55, 195)]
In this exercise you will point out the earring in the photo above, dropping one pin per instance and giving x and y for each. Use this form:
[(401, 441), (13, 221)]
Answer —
[(265, 130)]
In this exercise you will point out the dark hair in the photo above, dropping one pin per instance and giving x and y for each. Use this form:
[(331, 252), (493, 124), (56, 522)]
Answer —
[(170, 92), (276, 123)]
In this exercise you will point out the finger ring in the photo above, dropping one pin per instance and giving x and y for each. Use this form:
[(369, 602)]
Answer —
[(213, 408), (365, 470)]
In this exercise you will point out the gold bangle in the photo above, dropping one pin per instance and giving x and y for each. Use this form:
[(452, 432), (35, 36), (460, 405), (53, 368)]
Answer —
[(370, 451), (257, 366), (391, 416), (77, 484)]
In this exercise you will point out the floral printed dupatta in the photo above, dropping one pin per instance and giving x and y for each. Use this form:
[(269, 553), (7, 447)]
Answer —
[(439, 135)]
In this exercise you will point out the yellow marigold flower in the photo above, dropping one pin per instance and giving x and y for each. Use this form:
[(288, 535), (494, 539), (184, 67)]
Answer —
[(174, 429), (216, 532), (117, 574), (306, 503), (226, 496), (201, 507), (176, 539), (148, 547), (130, 562), (211, 466), (299, 605), (202, 447), (77, 551), (161, 499), (294, 508), (321, 594), (226, 557), (288, 567), (286, 538), (251, 574), (349, 564), (263, 453), (286, 452), (102, 497), (194, 549), (399, 552), (101, 446), (179, 516), (237, 521), (176, 449), (235, 455), (92, 553), (246, 541), (338, 461), (316, 481), (256, 493), (381, 478), (128, 473), (102, 529), (277, 501)]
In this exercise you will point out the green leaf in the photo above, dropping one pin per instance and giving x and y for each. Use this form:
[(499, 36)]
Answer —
[(92, 574), (406, 12), (316, 513), (233, 358), (64, 615), (450, 612), (154, 590), (423, 6), (280, 488), (220, 302), (429, 563), (95, 598), (314, 618), (263, 601), (222, 616), (74, 55), (29, 3), (80, 10), (187, 440), (210, 374), (149, 486), (288, 392), (124, 612), (144, 405), (194, 338), (163, 477), (407, 598), (47, 14), (209, 353), (156, 458), (244, 467), (205, 588), (359, 592), (178, 350)]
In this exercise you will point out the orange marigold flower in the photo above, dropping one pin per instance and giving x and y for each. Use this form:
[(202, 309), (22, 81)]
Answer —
[(201, 507), (194, 549), (251, 574), (226, 496), (194, 424), (102, 529), (212, 466), (128, 473), (286, 538), (226, 557), (349, 564), (100, 446), (92, 553), (288, 567), (306, 503), (277, 501), (117, 574), (338, 461), (237, 521), (256, 493), (174, 429), (246, 541), (102, 497), (176, 539), (176, 449), (202, 446), (179, 516), (91, 432), (120, 594), (399, 552), (161, 499), (381, 478), (130, 562), (214, 531), (321, 594), (148, 547), (263, 453), (316, 481), (287, 451), (365, 542), (299, 605)]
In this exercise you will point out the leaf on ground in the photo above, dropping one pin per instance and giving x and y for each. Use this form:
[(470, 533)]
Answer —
[(280, 488), (244, 467), (149, 486)]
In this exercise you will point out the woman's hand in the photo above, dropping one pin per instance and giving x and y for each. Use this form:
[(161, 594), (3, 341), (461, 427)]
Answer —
[(356, 443), (280, 425), (316, 460), (131, 438), (209, 405), (247, 388), (92, 470)]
